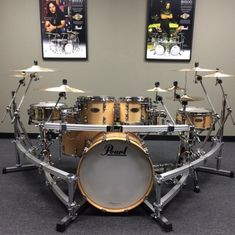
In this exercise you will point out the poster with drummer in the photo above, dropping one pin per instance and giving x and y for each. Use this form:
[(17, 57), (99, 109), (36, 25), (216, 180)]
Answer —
[(169, 29), (63, 29)]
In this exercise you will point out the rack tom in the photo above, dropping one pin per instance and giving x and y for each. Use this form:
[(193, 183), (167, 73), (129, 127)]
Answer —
[(133, 110), (96, 110)]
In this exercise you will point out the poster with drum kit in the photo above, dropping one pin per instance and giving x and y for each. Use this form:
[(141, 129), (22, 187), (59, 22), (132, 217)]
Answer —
[(63, 29), (169, 29)]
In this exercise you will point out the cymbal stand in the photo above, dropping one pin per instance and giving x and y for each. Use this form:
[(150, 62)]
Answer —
[(8, 108), (220, 134), (199, 78), (17, 135), (160, 99), (61, 94)]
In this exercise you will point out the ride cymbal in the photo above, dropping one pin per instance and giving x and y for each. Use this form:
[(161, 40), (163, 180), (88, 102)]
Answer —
[(195, 69), (63, 88)]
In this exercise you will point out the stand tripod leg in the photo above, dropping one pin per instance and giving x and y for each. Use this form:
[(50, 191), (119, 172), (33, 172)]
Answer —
[(217, 170), (19, 166)]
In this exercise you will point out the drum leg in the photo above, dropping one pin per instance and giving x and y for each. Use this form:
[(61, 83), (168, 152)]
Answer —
[(68, 219)]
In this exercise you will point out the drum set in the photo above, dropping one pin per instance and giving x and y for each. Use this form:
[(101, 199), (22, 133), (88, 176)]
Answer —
[(115, 172)]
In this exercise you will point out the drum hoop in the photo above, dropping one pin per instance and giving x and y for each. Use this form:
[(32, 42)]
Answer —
[(116, 210), (133, 98), (37, 105)]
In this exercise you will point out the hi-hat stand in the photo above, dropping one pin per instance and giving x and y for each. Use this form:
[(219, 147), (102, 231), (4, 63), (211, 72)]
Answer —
[(220, 132)]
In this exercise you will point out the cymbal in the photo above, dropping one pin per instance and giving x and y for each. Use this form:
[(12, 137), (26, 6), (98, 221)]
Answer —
[(177, 88), (190, 98), (157, 89), (77, 16), (63, 88), (35, 69), (195, 69), (218, 75), (186, 98)]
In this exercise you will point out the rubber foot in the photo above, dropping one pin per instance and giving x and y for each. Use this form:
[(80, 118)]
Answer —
[(60, 227), (232, 174), (197, 189), (4, 171)]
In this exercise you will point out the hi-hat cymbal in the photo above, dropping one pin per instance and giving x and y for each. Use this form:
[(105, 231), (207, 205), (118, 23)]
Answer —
[(176, 88), (218, 75), (157, 89), (35, 69), (63, 88), (186, 98), (195, 69)]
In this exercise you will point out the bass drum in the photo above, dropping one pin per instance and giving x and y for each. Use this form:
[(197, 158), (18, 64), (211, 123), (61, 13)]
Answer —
[(159, 49), (115, 172)]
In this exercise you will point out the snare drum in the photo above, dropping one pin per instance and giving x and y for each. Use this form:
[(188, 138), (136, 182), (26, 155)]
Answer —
[(41, 111), (115, 172), (96, 110), (201, 118), (133, 110)]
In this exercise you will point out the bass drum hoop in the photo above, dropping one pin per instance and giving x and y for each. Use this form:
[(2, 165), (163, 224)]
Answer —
[(136, 142)]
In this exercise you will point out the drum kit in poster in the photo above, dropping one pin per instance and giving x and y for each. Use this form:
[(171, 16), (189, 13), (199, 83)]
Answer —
[(115, 172)]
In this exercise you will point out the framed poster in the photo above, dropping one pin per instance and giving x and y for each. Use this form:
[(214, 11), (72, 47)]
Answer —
[(169, 29), (63, 29)]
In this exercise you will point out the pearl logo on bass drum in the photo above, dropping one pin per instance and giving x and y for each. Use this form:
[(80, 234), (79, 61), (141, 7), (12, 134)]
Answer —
[(109, 150)]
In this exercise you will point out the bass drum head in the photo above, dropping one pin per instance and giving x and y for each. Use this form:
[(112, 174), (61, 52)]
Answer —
[(159, 50), (115, 175), (175, 50)]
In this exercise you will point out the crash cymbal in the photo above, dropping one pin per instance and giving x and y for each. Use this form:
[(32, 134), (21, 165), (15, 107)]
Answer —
[(218, 75), (175, 88), (190, 98), (195, 69), (157, 89), (63, 88)]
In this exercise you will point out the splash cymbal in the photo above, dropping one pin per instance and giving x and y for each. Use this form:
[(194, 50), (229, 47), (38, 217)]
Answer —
[(63, 88), (177, 88), (190, 98), (157, 89), (218, 75)]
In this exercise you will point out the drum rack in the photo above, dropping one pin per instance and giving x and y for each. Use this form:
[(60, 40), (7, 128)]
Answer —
[(40, 156), (53, 175)]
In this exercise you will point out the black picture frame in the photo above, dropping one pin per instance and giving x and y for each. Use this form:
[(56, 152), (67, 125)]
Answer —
[(64, 29), (169, 30)]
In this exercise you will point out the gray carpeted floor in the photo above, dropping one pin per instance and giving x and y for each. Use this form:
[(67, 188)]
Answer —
[(28, 206)]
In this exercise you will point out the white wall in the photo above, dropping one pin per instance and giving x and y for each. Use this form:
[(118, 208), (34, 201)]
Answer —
[(116, 49)]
